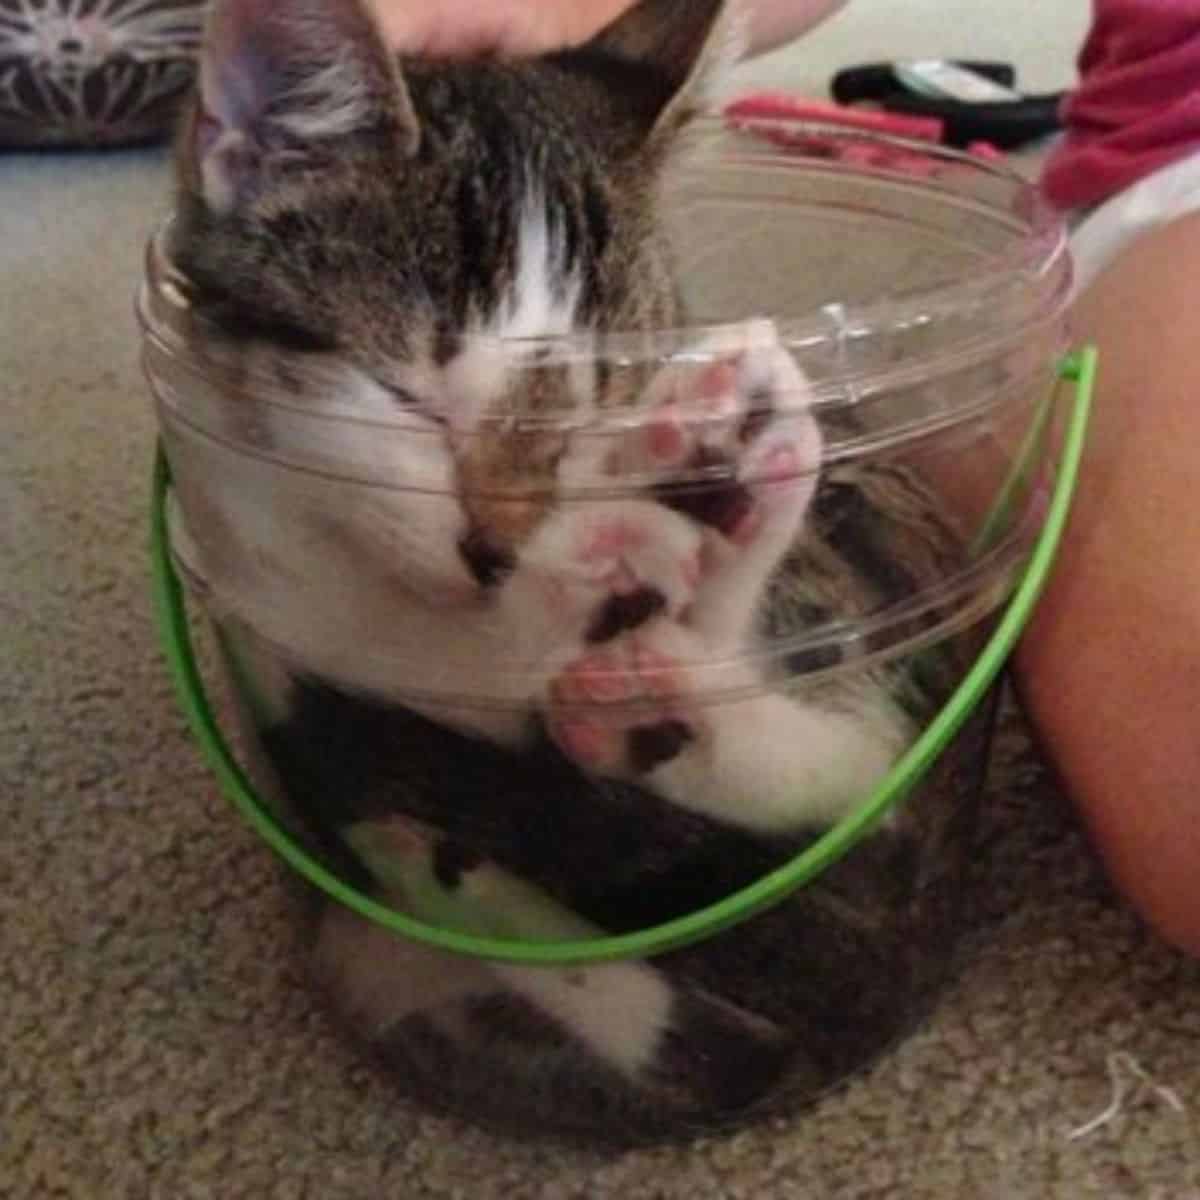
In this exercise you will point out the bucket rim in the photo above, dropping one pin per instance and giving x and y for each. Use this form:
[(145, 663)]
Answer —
[(1028, 278)]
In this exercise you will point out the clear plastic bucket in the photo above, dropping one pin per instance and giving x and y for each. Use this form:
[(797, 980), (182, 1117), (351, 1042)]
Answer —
[(657, 823)]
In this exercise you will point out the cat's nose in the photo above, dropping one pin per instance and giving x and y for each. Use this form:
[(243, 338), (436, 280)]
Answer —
[(487, 562)]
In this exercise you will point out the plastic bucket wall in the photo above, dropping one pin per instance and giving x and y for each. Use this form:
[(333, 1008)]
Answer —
[(557, 976)]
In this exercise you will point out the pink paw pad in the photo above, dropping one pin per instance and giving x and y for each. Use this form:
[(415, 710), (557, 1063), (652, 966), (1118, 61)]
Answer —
[(580, 727), (618, 714), (657, 673), (587, 743), (611, 540), (773, 478), (698, 406), (665, 441), (596, 677), (778, 465), (639, 575), (716, 387)]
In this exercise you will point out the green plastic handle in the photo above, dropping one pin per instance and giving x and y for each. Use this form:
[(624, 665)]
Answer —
[(765, 892)]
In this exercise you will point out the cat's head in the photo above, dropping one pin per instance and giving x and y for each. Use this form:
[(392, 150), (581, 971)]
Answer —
[(392, 219)]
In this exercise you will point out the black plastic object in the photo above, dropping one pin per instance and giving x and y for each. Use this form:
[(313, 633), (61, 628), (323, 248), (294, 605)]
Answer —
[(1007, 124), (878, 81)]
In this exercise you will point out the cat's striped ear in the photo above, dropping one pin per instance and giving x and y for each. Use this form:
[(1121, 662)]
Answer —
[(277, 80), (684, 49)]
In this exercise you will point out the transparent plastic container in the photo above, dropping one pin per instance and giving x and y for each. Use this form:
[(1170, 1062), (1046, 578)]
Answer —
[(627, 837)]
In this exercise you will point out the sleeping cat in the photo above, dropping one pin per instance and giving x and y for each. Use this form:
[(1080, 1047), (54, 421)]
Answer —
[(501, 558)]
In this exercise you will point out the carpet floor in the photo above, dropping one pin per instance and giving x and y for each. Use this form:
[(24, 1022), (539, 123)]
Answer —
[(156, 1037)]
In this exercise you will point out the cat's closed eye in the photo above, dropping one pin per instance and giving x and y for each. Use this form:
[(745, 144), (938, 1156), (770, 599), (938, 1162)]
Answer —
[(409, 400), (402, 395)]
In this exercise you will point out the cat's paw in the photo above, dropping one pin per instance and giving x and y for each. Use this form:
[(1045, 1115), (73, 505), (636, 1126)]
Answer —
[(611, 566), (630, 707), (731, 444)]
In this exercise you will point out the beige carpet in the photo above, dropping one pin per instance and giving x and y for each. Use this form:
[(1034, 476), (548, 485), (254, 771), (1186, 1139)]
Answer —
[(155, 1039)]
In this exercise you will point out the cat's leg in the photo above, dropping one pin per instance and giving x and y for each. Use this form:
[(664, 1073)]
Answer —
[(734, 446), (376, 979), (653, 1032), (680, 705), (658, 706)]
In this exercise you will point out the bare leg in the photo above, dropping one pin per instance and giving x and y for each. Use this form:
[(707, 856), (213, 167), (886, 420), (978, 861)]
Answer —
[(1110, 667)]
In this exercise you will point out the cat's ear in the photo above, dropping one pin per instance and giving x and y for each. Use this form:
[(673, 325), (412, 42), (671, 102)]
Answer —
[(686, 46), (281, 78)]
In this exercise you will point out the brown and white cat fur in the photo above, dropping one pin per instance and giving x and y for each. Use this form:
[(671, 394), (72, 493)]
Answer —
[(374, 246)]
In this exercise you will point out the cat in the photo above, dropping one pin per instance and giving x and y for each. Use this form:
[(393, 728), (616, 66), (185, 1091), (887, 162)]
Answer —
[(496, 573)]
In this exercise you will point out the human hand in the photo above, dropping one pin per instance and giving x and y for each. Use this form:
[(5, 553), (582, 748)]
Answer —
[(461, 28)]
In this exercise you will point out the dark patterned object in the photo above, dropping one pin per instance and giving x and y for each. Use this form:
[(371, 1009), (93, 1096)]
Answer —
[(94, 72)]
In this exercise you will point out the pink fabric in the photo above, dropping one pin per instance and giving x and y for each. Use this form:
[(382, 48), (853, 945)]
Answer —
[(1137, 106)]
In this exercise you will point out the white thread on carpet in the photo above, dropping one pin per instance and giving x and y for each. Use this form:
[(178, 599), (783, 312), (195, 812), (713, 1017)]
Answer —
[(1121, 1067)]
